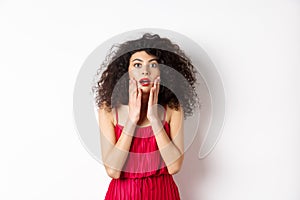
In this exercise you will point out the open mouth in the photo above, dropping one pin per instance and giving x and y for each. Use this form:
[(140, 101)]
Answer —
[(145, 81)]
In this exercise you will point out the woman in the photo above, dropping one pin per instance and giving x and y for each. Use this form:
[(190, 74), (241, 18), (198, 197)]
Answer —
[(141, 111)]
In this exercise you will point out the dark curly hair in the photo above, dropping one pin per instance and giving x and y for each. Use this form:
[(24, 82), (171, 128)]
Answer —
[(112, 88)]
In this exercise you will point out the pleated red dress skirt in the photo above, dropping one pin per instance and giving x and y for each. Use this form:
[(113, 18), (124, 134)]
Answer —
[(144, 175)]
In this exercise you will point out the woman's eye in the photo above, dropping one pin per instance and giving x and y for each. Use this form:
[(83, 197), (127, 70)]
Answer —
[(137, 65), (153, 65)]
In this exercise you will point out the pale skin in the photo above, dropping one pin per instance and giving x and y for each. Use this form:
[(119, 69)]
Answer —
[(141, 111)]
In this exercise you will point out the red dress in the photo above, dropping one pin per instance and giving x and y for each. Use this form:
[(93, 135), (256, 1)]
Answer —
[(144, 175)]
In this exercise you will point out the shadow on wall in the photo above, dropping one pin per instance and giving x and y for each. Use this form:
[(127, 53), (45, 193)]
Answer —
[(191, 178), (194, 171)]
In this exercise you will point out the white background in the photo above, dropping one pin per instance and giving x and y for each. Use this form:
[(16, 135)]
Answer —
[(254, 44)]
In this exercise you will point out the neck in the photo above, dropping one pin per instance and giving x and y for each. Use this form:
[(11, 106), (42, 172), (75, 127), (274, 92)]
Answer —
[(145, 99), (144, 107)]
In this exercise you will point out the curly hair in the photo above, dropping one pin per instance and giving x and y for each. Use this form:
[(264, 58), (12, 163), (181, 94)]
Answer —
[(112, 88)]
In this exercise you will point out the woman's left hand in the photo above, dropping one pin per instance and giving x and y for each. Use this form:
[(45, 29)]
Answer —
[(152, 111)]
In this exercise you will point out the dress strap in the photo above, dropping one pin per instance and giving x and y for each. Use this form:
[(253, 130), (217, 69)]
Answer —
[(165, 113), (117, 115)]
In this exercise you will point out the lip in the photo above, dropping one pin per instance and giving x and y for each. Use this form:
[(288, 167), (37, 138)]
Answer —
[(145, 81)]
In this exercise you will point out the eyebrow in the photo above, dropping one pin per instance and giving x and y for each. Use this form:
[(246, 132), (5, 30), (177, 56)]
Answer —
[(138, 59)]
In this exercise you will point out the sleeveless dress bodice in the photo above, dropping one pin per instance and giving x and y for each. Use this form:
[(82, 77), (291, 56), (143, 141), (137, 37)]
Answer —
[(144, 158), (144, 175)]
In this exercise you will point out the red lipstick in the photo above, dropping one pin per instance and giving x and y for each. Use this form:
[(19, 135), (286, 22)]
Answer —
[(145, 81)]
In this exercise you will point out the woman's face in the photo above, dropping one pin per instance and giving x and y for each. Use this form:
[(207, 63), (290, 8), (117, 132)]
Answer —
[(144, 69)]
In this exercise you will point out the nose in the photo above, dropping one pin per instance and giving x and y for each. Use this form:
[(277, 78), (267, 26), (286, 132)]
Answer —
[(146, 71)]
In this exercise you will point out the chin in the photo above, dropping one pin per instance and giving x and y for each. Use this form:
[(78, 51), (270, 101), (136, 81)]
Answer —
[(146, 90)]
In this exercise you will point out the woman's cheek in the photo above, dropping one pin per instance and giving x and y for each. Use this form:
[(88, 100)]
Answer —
[(155, 72), (133, 73)]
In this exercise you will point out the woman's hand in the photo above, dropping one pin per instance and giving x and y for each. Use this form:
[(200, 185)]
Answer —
[(152, 111), (135, 95)]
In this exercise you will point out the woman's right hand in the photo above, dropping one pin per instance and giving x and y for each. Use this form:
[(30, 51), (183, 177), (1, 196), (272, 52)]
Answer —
[(135, 96)]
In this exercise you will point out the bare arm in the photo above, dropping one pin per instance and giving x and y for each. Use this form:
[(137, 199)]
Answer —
[(171, 149), (114, 153)]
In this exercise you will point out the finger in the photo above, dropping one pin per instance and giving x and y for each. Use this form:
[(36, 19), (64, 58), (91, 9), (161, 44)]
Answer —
[(139, 97), (156, 91), (134, 88), (132, 91), (154, 84), (150, 101), (131, 85), (136, 85), (158, 84)]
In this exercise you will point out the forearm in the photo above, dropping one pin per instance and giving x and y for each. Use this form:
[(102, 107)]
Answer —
[(171, 154), (116, 157)]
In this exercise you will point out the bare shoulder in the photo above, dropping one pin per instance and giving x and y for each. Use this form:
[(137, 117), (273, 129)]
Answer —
[(176, 124), (105, 115), (106, 125), (173, 115)]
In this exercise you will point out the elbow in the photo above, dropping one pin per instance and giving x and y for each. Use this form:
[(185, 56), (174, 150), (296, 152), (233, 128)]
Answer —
[(113, 173), (174, 169), (176, 166)]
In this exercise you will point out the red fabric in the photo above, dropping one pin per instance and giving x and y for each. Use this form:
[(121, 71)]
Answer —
[(144, 175)]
